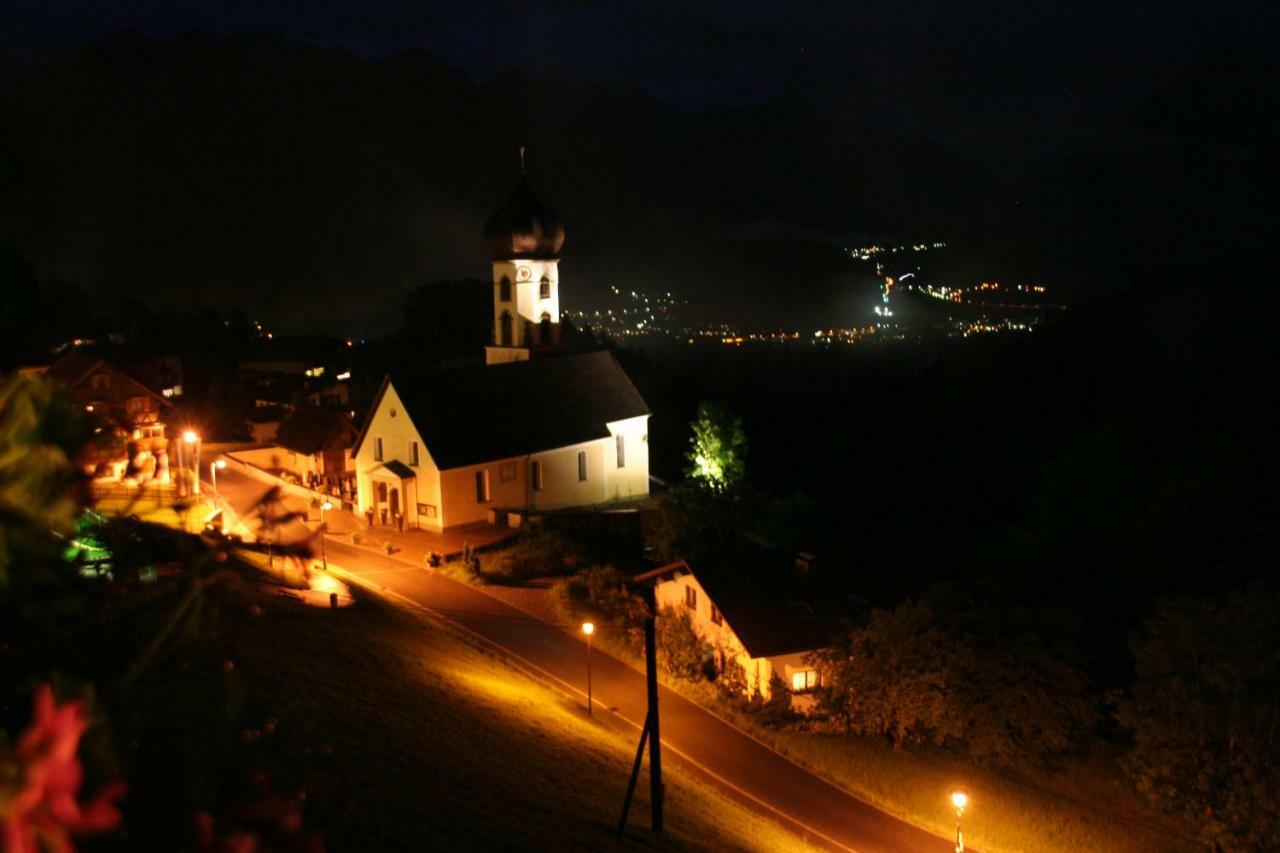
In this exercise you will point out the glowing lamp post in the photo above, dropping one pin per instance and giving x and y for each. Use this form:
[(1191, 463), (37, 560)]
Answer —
[(959, 799), (213, 473), (324, 559), (589, 628), (192, 440)]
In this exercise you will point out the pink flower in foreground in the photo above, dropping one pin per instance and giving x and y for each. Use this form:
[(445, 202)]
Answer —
[(43, 814)]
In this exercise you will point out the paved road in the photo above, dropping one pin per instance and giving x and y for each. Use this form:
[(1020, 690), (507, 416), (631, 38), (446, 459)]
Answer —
[(750, 771)]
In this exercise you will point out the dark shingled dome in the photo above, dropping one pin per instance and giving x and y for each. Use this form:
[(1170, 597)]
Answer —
[(524, 228)]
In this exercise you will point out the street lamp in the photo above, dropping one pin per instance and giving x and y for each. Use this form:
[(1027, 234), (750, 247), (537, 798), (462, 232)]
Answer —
[(589, 628), (189, 437), (213, 473), (959, 799), (324, 559)]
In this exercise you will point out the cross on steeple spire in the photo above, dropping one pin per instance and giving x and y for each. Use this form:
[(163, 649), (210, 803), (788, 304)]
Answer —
[(522, 169)]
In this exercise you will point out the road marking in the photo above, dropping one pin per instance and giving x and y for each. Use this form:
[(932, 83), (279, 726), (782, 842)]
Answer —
[(571, 688)]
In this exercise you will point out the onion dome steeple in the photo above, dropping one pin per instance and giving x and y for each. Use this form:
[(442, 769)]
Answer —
[(524, 227)]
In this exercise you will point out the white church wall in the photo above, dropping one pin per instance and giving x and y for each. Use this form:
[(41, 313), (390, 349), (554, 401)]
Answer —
[(397, 433), (561, 486), (631, 480)]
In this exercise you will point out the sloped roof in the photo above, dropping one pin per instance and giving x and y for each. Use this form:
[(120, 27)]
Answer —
[(309, 429), (471, 415), (773, 608), (398, 468), (74, 367)]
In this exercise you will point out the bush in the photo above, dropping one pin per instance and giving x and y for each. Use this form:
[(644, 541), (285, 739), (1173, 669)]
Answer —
[(536, 552), (681, 651), (471, 561), (599, 593), (981, 682), (1204, 711), (732, 680), (775, 711)]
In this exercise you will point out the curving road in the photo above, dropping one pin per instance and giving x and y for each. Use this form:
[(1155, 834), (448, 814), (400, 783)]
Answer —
[(749, 770)]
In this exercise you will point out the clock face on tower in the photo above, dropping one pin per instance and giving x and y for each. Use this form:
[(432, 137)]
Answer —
[(522, 273)]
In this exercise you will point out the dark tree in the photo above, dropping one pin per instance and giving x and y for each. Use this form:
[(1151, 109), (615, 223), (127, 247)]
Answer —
[(1205, 715)]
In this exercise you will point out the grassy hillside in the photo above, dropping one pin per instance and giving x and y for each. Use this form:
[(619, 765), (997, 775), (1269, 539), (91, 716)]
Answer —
[(419, 740)]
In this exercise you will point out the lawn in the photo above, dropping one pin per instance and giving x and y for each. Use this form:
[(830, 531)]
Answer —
[(1080, 806), (428, 742)]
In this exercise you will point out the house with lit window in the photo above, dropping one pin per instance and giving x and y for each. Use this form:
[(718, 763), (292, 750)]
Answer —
[(117, 401), (313, 445), (764, 616), (534, 429)]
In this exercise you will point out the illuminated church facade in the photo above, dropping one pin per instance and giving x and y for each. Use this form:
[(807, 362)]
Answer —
[(534, 429)]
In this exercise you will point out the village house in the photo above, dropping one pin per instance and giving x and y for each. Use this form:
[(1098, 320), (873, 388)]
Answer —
[(765, 617), (120, 403), (315, 447), (532, 430)]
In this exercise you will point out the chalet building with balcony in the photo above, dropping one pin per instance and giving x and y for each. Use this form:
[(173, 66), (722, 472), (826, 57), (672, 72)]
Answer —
[(532, 430), (121, 403), (761, 615)]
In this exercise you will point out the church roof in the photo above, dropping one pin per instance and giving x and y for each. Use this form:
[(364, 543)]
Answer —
[(471, 415), (524, 228)]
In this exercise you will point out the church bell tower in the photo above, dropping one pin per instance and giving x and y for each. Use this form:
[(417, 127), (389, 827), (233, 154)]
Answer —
[(524, 239)]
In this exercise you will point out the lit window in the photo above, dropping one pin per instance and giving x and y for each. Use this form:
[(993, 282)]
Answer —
[(413, 453), (804, 680), (622, 450), (582, 466), (536, 475), (377, 449), (690, 598), (716, 617), (482, 486)]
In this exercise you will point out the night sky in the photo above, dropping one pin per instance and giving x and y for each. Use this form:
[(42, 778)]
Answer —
[(1003, 81)]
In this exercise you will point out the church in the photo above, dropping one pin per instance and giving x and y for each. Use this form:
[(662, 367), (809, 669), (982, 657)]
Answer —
[(533, 429)]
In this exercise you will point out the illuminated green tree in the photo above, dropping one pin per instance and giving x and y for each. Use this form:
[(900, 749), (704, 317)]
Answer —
[(717, 449)]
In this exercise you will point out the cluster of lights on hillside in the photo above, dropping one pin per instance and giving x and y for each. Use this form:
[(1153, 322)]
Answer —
[(866, 253)]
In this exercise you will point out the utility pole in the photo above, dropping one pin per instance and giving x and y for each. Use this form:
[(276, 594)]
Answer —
[(650, 732)]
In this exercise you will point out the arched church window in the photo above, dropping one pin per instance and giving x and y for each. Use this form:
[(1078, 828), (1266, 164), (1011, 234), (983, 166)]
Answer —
[(504, 289), (544, 330), (528, 334), (506, 327), (544, 288)]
